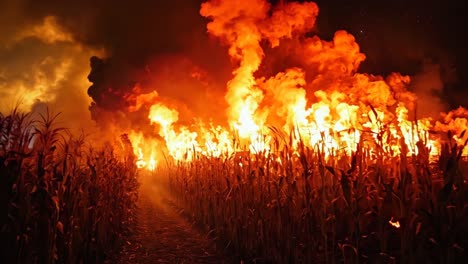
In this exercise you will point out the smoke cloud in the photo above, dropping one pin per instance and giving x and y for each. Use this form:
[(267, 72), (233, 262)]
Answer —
[(41, 63), (46, 48)]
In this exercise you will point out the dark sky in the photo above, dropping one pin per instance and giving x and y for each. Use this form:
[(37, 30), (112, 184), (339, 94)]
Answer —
[(401, 35)]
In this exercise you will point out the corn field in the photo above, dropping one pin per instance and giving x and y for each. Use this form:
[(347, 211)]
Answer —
[(302, 206), (61, 201)]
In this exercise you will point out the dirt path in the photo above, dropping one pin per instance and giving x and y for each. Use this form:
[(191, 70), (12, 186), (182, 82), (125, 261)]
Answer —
[(164, 236)]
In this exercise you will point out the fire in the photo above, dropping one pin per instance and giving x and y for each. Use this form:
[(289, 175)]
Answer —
[(325, 102), (144, 150), (396, 224)]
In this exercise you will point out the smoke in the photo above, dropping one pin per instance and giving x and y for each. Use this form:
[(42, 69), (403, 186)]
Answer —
[(41, 64), (399, 36), (242, 25), (428, 86), (163, 47), (147, 45), (46, 50)]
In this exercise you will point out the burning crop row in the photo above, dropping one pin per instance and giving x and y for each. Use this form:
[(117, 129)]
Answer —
[(317, 163), (303, 158), (314, 207), (321, 96)]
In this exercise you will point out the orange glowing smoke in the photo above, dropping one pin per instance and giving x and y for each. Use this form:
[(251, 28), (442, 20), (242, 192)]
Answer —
[(48, 67), (324, 100)]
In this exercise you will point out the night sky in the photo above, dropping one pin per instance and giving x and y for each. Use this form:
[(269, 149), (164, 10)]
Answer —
[(401, 35)]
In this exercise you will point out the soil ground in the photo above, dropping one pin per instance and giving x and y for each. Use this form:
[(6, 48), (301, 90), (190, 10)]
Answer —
[(163, 235)]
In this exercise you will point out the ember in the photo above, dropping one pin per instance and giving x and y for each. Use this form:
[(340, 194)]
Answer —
[(394, 223)]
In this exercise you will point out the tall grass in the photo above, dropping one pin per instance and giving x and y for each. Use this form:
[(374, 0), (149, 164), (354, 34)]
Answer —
[(61, 201), (299, 206)]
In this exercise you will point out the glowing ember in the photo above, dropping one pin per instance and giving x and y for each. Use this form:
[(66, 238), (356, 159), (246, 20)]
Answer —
[(396, 224)]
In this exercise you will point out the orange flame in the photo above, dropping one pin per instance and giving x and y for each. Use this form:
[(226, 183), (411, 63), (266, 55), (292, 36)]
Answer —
[(333, 108), (396, 224)]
